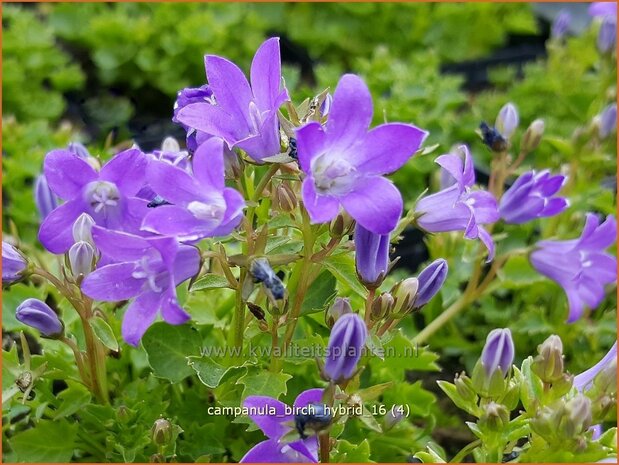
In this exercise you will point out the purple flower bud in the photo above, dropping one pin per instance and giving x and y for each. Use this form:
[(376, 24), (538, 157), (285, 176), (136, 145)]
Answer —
[(371, 256), (608, 121), (326, 105), (82, 228), (607, 37), (498, 353), (81, 258), (45, 200), (507, 120), (13, 264), (431, 280), (597, 9), (561, 24), (345, 347), (38, 315), (531, 197), (341, 306), (79, 149)]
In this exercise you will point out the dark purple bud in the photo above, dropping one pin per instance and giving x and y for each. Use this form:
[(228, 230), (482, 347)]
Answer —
[(345, 347), (38, 315), (81, 258), (45, 200), (371, 256), (561, 24), (13, 264), (507, 120), (498, 353), (431, 280), (191, 95), (608, 121), (607, 37)]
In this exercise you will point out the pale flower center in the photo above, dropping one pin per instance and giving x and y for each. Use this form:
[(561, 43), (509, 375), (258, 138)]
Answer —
[(146, 270), (102, 195), (333, 175), (206, 212)]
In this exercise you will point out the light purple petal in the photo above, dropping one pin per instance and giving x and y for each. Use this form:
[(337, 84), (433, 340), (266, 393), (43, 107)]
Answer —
[(387, 147), (173, 183), (321, 208), (351, 112), (554, 206), (575, 304), (308, 448), (266, 74), (599, 236), (484, 207), (112, 283), (271, 425), (230, 87), (140, 314), (235, 203), (375, 203), (311, 140), (266, 143), (186, 264), (171, 311), (213, 120), (603, 9), (311, 396), (119, 246), (56, 231), (127, 170), (486, 239), (67, 174), (208, 164), (583, 380), (174, 221), (271, 451)]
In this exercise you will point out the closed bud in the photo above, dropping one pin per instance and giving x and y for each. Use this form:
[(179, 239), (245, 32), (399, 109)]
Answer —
[(578, 418), (507, 120), (285, 198), (548, 365), (431, 280), (607, 121), (464, 388), (13, 264), (341, 306), (498, 352), (161, 432), (45, 200), (371, 256), (82, 228), (495, 417), (607, 36), (78, 149), (532, 136), (405, 295), (232, 164), (340, 225), (345, 347), (38, 315), (81, 258), (393, 417), (382, 306)]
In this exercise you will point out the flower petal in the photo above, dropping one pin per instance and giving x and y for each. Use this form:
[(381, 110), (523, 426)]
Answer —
[(266, 75), (311, 141), (67, 174), (271, 425), (235, 203), (321, 208), (186, 264), (174, 221), (266, 143), (172, 183), (56, 231), (127, 170), (208, 164), (486, 239), (230, 87), (119, 246), (171, 311), (311, 396), (375, 203), (112, 283), (140, 314), (387, 147), (269, 451), (484, 207), (213, 120)]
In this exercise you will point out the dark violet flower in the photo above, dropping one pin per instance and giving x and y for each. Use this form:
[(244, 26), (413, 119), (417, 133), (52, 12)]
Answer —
[(345, 163), (13, 264), (561, 24), (531, 197), (608, 121), (601, 9), (498, 352), (38, 315), (244, 116), (148, 269), (584, 381), (458, 208), (371, 256), (45, 200), (607, 36), (430, 280), (108, 196), (275, 420), (202, 205), (507, 120), (580, 266), (345, 347)]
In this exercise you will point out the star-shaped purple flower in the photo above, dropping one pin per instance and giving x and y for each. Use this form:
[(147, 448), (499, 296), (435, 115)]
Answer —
[(202, 204), (108, 196), (345, 163), (275, 426), (244, 116), (148, 269), (457, 207), (580, 266)]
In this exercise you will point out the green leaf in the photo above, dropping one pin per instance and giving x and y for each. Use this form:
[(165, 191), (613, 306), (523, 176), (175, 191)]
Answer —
[(518, 272), (47, 442), (210, 281), (264, 383), (104, 333), (168, 347), (342, 266), (320, 293), (209, 371), (73, 400), (347, 452)]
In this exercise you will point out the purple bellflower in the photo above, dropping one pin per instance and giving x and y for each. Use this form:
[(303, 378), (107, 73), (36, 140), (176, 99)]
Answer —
[(244, 116), (607, 36), (13, 264), (45, 200), (371, 255), (580, 266), (458, 208), (202, 206), (531, 197), (498, 352), (584, 381), (273, 419), (345, 347), (108, 196), (430, 281), (148, 269), (38, 315), (597, 9), (561, 24), (345, 163)]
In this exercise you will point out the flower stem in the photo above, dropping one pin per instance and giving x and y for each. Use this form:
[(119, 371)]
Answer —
[(323, 440), (368, 306)]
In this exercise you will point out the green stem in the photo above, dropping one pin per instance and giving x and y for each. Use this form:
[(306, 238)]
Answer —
[(466, 450), (368, 306), (239, 318)]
